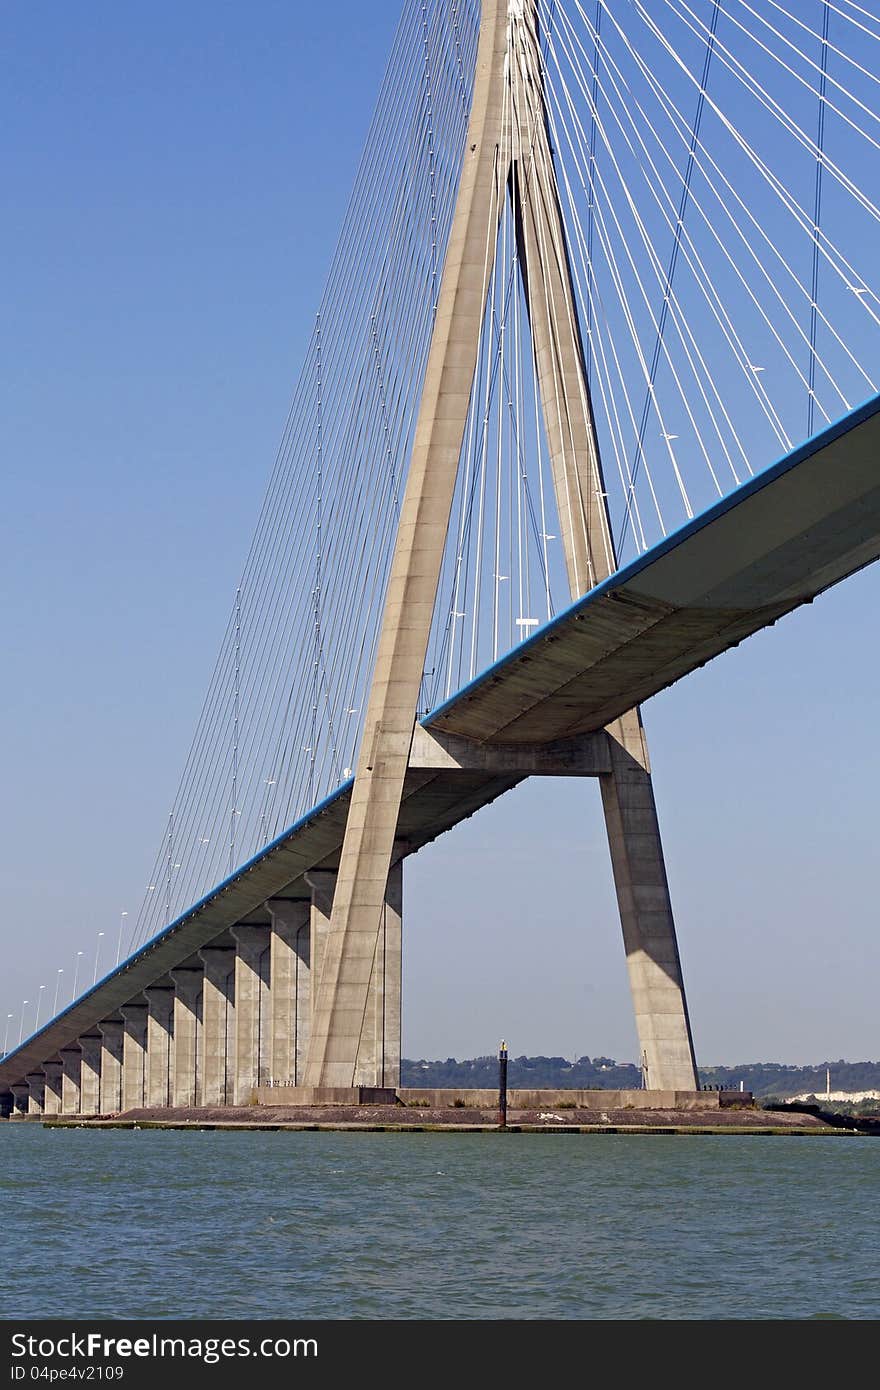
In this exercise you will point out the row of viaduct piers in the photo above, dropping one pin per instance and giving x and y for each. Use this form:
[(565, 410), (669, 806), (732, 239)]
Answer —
[(234, 1016)]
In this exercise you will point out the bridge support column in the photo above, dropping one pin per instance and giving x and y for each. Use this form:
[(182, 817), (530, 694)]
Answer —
[(340, 1012), (666, 1047), (134, 1056), (378, 1055), (290, 1001), (322, 882), (251, 1022), (627, 793), (21, 1098), (36, 1093), (160, 1024), (111, 1031), (52, 1088), (187, 1030), (90, 1076), (71, 1070), (218, 1034), (379, 1052)]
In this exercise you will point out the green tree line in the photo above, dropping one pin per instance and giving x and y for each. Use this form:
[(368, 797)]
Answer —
[(588, 1073)]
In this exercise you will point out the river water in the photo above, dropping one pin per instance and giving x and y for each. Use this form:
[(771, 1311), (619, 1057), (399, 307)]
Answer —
[(164, 1224)]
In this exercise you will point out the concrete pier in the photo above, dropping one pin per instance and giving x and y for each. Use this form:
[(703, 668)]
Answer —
[(160, 1024), (290, 997), (322, 883), (218, 1032), (655, 977), (21, 1097), (378, 1056), (71, 1067), (134, 1056), (251, 1013), (52, 1088), (111, 1031), (187, 1035), (379, 1052), (36, 1092), (90, 1075)]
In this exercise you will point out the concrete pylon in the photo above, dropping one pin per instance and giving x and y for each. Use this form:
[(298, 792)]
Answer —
[(218, 1015), (499, 154), (251, 1013), (186, 1089), (379, 1056), (290, 997), (160, 1054), (21, 1098), (656, 982), (90, 1075), (340, 1011), (378, 1059), (36, 1092), (134, 1056), (71, 1068), (322, 882), (52, 1088), (112, 1031)]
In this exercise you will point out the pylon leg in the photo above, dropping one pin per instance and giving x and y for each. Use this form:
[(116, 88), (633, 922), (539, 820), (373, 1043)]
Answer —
[(340, 1016), (656, 982), (655, 978)]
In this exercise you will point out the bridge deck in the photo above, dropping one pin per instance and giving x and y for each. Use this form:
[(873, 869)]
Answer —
[(775, 543)]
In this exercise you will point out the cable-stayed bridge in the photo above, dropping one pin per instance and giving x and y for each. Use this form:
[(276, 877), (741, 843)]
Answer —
[(590, 397)]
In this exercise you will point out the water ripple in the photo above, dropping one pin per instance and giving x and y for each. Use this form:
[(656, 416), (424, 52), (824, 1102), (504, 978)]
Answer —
[(154, 1224)]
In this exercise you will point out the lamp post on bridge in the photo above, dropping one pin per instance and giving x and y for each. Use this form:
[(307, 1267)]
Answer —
[(39, 1005), (57, 987), (75, 976), (119, 942), (97, 953), (24, 1004), (6, 1037)]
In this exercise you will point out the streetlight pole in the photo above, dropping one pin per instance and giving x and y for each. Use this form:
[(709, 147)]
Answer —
[(39, 1004), (6, 1038), (97, 953), (24, 1004), (119, 943), (57, 987), (75, 976)]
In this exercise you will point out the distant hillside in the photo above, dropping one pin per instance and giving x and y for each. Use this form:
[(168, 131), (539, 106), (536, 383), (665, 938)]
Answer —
[(763, 1078)]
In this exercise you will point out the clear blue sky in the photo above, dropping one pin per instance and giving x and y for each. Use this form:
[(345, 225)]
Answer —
[(173, 180)]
